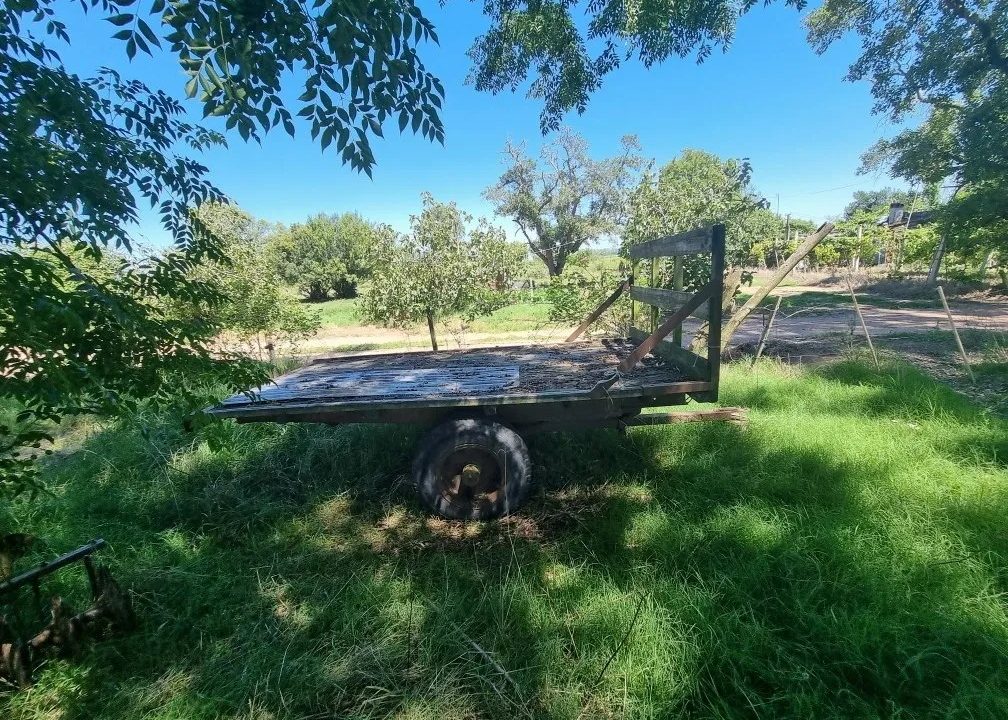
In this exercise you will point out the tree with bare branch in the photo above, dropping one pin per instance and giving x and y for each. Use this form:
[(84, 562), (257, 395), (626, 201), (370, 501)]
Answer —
[(566, 199)]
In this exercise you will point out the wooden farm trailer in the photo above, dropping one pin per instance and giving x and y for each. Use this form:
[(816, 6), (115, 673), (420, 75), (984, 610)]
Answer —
[(473, 463)]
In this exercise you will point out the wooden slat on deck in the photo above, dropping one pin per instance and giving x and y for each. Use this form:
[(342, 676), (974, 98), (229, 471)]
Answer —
[(401, 383)]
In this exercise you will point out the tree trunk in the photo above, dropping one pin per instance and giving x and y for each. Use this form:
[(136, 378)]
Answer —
[(985, 266), (803, 249), (430, 327), (1003, 272), (936, 261)]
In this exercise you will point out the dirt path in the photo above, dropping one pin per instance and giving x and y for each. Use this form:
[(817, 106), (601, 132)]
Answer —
[(798, 325), (880, 321)]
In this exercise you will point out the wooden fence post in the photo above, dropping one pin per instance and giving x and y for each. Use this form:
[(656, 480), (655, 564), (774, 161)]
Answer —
[(955, 333), (864, 326)]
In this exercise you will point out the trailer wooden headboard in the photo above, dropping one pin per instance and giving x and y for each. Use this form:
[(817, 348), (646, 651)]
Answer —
[(704, 304)]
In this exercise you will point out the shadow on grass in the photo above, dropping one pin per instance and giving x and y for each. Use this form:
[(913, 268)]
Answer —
[(805, 566)]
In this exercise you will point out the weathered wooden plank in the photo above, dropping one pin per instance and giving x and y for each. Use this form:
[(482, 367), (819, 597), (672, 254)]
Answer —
[(691, 242), (421, 382), (735, 415), (667, 299), (689, 362), (292, 410), (674, 320), (597, 312)]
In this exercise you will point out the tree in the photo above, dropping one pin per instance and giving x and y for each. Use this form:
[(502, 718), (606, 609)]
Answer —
[(556, 45), (567, 199), (948, 59), (256, 313), (880, 200), (77, 154), (326, 253), (699, 188), (445, 265)]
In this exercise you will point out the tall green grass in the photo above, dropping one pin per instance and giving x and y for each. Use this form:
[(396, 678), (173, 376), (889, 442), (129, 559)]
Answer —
[(843, 556)]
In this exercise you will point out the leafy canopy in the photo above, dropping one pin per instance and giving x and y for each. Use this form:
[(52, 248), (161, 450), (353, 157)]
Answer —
[(567, 199), (326, 253), (445, 265), (569, 47), (949, 59), (699, 188)]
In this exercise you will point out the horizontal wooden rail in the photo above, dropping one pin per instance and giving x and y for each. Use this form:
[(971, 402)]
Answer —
[(597, 312), (671, 322), (691, 242), (696, 367), (666, 299)]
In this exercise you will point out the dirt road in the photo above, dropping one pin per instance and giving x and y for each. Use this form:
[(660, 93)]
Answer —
[(880, 321), (788, 326)]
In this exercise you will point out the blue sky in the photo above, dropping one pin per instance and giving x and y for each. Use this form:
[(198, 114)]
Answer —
[(769, 98)]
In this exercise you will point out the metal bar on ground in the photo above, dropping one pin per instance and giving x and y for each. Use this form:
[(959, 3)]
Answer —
[(766, 331), (597, 312), (52, 566), (955, 333), (864, 326)]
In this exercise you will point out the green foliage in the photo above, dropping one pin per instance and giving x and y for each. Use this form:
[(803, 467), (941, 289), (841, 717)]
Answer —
[(580, 290), (445, 265), (256, 311), (327, 253), (360, 68), (82, 331), (78, 153), (946, 57), (698, 188), (570, 47), (567, 199)]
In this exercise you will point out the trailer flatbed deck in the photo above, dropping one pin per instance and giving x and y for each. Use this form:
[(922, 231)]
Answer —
[(334, 389)]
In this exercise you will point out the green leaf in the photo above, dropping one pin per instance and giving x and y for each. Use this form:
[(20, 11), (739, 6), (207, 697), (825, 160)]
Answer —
[(121, 19)]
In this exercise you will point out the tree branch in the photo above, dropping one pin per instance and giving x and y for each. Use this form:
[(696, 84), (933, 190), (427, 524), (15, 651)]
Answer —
[(981, 28)]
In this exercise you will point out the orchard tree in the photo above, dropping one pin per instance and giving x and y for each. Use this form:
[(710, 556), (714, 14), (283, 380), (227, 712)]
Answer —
[(256, 314), (699, 188), (567, 199), (445, 265), (948, 61), (326, 253)]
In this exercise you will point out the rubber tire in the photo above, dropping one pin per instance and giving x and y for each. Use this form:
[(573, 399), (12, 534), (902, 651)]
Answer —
[(444, 439)]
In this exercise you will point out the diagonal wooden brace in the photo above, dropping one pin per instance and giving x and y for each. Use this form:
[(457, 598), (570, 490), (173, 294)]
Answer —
[(597, 312), (674, 320)]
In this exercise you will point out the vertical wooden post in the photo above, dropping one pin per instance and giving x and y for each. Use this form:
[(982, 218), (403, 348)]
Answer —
[(766, 331), (654, 308), (633, 303), (715, 308), (430, 327), (955, 333), (677, 284), (864, 327)]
